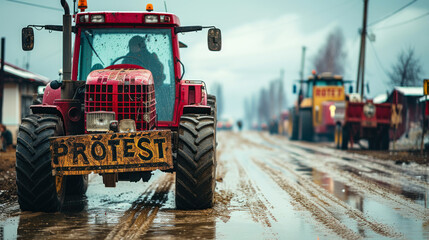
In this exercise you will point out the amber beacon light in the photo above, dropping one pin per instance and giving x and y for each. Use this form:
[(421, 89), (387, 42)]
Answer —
[(149, 7), (82, 5)]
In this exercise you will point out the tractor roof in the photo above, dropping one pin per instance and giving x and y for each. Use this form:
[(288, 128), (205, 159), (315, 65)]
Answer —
[(326, 76), (142, 18)]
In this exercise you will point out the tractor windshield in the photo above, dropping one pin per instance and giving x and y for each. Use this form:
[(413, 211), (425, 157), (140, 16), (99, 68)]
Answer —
[(322, 83), (149, 48)]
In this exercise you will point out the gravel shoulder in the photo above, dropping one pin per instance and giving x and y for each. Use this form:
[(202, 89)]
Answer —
[(398, 156), (7, 177)]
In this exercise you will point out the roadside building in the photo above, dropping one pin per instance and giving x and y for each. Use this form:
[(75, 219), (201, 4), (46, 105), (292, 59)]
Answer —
[(407, 99), (424, 108), (19, 87)]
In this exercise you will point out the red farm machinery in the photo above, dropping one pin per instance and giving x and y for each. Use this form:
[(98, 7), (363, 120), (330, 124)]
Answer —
[(356, 120), (360, 118), (122, 111)]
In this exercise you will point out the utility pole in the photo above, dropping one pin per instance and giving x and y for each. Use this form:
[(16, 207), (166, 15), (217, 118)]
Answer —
[(301, 73), (2, 76), (361, 67)]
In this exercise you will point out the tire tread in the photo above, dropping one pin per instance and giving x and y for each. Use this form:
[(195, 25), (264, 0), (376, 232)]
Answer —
[(35, 183), (196, 165)]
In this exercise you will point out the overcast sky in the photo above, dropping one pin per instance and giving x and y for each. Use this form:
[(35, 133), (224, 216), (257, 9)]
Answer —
[(259, 39)]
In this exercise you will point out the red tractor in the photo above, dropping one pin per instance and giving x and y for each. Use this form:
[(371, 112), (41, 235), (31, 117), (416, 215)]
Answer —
[(356, 119), (122, 111)]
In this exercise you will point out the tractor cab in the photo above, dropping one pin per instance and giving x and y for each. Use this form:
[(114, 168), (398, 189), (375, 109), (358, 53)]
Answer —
[(141, 41), (145, 60), (317, 82)]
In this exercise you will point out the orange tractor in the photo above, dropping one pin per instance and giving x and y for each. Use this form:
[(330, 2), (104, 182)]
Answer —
[(313, 113)]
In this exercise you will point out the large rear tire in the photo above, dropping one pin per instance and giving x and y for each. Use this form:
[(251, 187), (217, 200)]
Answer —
[(293, 125), (384, 143), (38, 189), (211, 101), (196, 163), (305, 125), (345, 137), (372, 143)]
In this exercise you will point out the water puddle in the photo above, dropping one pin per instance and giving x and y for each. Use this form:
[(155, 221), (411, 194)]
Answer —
[(411, 228), (90, 217), (407, 190), (8, 228), (182, 224)]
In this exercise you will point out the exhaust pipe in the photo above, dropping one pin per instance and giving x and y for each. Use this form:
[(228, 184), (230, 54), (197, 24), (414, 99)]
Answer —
[(67, 84)]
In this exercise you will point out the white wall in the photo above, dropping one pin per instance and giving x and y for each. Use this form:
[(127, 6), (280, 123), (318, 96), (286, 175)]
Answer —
[(12, 108)]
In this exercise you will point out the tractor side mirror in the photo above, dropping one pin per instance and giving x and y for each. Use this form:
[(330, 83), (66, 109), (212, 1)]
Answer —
[(294, 89), (214, 39), (351, 89), (27, 39)]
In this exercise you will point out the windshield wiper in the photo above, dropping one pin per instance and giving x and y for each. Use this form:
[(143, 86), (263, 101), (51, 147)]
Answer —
[(90, 45)]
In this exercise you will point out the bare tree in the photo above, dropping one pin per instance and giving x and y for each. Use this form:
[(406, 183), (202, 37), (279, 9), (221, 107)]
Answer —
[(331, 56), (267, 103), (272, 96), (254, 104), (281, 94), (406, 71), (248, 111), (264, 106)]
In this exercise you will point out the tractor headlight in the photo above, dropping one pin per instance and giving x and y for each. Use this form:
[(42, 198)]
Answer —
[(84, 18), (332, 109), (97, 18), (151, 19), (369, 110), (99, 121), (127, 125)]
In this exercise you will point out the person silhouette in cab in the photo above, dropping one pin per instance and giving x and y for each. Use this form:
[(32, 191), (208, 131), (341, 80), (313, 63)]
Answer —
[(139, 55)]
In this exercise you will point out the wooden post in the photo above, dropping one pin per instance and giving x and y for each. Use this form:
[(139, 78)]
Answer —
[(361, 67), (2, 76), (423, 126)]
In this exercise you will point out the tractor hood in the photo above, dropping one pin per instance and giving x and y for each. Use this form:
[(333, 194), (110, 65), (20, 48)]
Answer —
[(121, 92), (121, 74)]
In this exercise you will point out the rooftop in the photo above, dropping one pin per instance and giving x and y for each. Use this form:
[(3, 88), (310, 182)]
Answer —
[(410, 91), (24, 74)]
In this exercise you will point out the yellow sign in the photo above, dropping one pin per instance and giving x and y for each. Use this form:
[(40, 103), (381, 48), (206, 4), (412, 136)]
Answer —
[(323, 94), (426, 86), (111, 152), (396, 118)]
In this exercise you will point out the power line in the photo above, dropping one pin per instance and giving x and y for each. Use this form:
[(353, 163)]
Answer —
[(393, 13), (35, 5), (405, 22), (318, 11), (378, 59)]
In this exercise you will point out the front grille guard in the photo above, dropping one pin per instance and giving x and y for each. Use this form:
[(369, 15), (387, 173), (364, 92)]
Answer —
[(135, 102)]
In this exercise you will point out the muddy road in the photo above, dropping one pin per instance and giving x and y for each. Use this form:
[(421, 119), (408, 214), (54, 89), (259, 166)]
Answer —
[(267, 188)]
